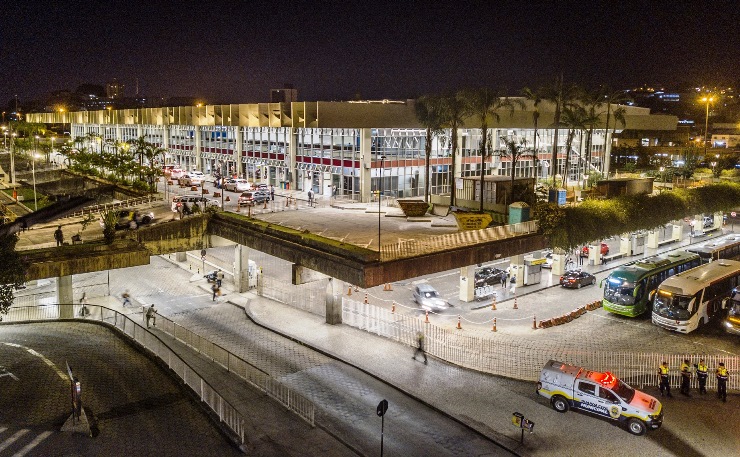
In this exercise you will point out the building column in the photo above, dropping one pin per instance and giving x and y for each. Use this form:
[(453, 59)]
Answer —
[(334, 289), (677, 231), (65, 296), (292, 150), (238, 149), (366, 163), (652, 239), (467, 283), (516, 269), (198, 150), (241, 269)]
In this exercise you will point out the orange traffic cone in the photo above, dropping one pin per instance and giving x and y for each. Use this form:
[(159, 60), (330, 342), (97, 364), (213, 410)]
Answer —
[(515, 307), (494, 324), (426, 319), (534, 322), (459, 327), (493, 305), (228, 199), (393, 308)]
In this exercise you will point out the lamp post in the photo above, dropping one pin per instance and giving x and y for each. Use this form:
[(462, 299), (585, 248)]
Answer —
[(12, 157), (33, 165), (51, 153), (380, 196), (706, 100)]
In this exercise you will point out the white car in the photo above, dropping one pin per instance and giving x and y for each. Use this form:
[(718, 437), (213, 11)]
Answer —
[(192, 178), (238, 185)]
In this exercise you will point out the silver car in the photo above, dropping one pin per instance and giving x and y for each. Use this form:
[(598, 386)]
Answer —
[(429, 299)]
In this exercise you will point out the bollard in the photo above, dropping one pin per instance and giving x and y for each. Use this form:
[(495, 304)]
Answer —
[(366, 302), (393, 308), (493, 305), (349, 291), (494, 324), (426, 319), (459, 327), (515, 307), (265, 207), (534, 322)]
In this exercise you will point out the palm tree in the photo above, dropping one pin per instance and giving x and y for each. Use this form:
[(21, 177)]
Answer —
[(573, 117), (561, 96), (455, 109), (485, 103), (611, 98), (536, 98), (515, 150), (619, 113), (139, 147), (429, 113)]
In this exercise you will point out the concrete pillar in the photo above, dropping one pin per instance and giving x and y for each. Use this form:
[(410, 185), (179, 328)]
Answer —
[(624, 245), (241, 269), (677, 232), (292, 137), (181, 256), (365, 165), (198, 150), (558, 264), (467, 283), (594, 254), (65, 296), (652, 239), (334, 288), (516, 269)]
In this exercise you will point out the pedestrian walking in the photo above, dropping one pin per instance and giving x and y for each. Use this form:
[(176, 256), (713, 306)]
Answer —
[(420, 347), (504, 278), (151, 314), (215, 290), (701, 375), (59, 236), (722, 376), (512, 281), (219, 277), (272, 193), (685, 378), (83, 302), (334, 190), (664, 381), (126, 299), (310, 197)]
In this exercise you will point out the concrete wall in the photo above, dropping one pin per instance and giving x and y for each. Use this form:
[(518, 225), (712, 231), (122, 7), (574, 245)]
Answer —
[(175, 236)]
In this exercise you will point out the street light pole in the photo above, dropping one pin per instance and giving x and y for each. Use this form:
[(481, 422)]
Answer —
[(12, 157), (380, 197), (33, 165), (51, 154), (706, 100)]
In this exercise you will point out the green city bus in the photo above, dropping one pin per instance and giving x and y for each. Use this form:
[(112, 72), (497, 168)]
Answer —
[(629, 289)]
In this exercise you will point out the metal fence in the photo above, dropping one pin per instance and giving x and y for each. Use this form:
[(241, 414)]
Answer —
[(310, 297), (455, 240), (500, 355), (103, 207), (295, 402)]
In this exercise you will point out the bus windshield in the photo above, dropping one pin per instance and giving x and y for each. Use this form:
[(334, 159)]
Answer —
[(619, 292), (672, 306)]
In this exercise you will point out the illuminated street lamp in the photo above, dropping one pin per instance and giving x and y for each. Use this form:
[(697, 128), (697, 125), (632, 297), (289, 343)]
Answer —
[(33, 164), (12, 157), (380, 197), (706, 100)]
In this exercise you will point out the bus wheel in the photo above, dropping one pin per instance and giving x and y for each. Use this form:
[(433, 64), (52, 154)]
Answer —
[(560, 404), (636, 427)]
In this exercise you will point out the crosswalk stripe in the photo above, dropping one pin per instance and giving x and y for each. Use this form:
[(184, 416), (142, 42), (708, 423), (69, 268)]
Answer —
[(5, 444), (39, 438), (2, 429)]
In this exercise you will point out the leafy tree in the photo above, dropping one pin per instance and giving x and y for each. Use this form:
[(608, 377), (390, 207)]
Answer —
[(455, 108), (536, 98), (514, 150), (561, 96), (611, 97), (109, 220), (429, 113), (13, 272)]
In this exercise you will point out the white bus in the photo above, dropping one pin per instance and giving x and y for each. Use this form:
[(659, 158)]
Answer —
[(687, 300)]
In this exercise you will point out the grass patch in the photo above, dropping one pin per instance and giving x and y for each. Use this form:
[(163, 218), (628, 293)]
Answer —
[(42, 200)]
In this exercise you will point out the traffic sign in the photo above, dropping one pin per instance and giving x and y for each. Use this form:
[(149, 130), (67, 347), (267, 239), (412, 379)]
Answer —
[(382, 407)]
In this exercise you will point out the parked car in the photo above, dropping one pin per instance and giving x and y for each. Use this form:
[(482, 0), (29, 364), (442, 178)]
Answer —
[(429, 299), (604, 250), (172, 171), (488, 276), (126, 216), (252, 198), (237, 185), (192, 178), (575, 279)]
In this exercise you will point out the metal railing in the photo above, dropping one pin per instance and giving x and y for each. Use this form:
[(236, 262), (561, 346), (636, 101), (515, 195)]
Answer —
[(449, 241), (502, 356), (295, 402), (103, 207)]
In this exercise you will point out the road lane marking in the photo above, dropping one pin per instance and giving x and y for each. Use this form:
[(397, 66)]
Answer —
[(61, 374), (39, 438), (7, 443)]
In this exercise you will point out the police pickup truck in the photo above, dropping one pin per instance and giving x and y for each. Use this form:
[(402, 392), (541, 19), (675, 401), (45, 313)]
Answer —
[(602, 394)]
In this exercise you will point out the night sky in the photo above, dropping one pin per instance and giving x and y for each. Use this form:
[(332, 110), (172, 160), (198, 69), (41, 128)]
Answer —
[(235, 51)]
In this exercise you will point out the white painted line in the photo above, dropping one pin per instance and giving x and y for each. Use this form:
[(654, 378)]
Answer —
[(61, 374), (6, 444), (39, 438)]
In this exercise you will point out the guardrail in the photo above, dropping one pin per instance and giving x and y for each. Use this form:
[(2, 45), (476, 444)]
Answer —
[(502, 356), (412, 248), (300, 405), (107, 206)]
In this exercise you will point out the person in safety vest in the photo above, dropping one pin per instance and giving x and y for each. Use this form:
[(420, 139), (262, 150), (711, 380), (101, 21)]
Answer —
[(722, 376), (685, 377), (664, 382), (701, 375)]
